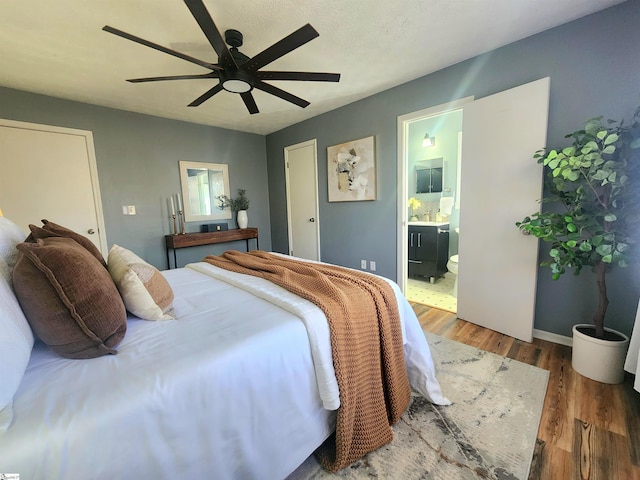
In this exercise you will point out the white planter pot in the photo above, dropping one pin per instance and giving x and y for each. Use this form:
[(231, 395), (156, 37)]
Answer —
[(597, 359), (243, 219)]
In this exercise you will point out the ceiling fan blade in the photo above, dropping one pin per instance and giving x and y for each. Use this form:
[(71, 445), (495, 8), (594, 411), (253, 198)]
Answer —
[(281, 48), (155, 46), (250, 102), (299, 76), (206, 96), (173, 77), (265, 87), (208, 27)]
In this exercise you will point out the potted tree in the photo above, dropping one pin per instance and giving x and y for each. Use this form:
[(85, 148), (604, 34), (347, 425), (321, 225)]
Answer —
[(592, 186), (239, 204)]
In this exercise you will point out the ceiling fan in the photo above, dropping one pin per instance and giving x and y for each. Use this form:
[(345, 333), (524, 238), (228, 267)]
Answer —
[(236, 72)]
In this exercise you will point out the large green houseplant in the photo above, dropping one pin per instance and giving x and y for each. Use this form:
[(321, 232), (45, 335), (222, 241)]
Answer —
[(590, 212)]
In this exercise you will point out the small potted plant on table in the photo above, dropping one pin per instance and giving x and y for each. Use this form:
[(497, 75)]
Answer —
[(240, 205)]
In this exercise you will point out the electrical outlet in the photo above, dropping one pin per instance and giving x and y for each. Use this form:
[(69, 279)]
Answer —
[(132, 209), (372, 265), (363, 264)]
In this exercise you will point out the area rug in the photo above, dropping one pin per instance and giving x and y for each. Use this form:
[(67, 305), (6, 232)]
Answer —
[(488, 433)]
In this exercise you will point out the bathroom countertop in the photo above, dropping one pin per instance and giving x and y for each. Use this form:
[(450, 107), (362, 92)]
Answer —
[(429, 224)]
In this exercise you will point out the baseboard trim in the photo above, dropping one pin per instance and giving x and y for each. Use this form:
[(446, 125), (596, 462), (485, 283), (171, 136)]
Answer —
[(552, 337)]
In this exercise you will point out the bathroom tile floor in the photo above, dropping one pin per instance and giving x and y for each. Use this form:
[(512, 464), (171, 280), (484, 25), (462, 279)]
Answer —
[(438, 294)]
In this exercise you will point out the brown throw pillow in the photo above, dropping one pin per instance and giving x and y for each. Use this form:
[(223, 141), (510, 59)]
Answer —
[(69, 298), (59, 230)]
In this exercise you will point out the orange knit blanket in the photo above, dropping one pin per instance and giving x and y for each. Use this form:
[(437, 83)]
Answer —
[(366, 341)]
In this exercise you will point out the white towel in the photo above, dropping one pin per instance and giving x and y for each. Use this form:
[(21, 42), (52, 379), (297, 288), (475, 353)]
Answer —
[(446, 205)]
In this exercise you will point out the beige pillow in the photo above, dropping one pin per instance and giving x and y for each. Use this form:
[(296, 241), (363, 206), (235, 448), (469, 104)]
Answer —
[(144, 290), (69, 298)]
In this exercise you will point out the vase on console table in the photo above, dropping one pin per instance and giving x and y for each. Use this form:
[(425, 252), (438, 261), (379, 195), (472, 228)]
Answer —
[(242, 219)]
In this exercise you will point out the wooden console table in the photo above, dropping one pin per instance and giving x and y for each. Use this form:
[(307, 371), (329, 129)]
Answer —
[(185, 240)]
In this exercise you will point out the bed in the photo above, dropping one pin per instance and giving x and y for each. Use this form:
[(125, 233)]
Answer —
[(231, 389)]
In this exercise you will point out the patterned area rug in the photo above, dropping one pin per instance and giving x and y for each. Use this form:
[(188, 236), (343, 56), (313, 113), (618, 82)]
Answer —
[(488, 433)]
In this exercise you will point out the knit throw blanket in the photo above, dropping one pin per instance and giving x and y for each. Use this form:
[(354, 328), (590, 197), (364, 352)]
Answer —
[(366, 342)]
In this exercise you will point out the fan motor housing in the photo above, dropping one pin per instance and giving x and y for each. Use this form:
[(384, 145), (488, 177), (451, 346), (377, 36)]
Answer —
[(233, 38)]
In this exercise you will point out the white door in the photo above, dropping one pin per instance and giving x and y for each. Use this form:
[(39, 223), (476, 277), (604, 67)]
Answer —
[(50, 173), (302, 200), (501, 183)]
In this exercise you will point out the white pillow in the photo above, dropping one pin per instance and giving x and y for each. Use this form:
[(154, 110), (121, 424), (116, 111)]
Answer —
[(10, 236), (144, 290), (16, 337), (16, 342)]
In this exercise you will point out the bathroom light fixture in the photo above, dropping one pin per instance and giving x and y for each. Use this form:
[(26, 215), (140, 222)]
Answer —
[(428, 141)]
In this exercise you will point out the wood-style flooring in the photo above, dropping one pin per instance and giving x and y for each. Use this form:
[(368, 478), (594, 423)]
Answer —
[(588, 430)]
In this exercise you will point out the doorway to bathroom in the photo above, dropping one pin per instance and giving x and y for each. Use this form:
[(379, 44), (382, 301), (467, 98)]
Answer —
[(431, 155), (500, 183)]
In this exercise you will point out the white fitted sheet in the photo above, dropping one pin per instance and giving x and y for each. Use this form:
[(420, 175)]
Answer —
[(227, 391)]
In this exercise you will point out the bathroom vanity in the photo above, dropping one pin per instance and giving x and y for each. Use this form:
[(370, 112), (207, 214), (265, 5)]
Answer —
[(428, 249)]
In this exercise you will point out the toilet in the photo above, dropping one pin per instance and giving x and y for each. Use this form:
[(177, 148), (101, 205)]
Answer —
[(452, 266)]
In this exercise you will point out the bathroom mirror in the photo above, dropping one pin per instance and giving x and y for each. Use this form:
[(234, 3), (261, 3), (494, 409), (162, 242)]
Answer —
[(202, 184), (429, 175)]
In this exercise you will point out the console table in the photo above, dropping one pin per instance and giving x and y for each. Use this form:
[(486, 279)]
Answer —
[(185, 240)]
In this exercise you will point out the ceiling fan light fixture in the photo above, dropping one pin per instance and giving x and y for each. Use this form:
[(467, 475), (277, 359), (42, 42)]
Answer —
[(236, 86), (236, 82)]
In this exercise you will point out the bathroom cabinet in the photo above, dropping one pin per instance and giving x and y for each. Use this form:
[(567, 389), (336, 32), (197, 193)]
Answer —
[(428, 250)]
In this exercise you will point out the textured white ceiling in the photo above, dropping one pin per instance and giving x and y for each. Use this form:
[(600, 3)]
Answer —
[(58, 48)]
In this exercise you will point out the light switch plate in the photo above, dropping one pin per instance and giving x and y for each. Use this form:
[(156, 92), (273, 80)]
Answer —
[(128, 209)]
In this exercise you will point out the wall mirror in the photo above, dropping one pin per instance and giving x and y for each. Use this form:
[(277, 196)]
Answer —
[(202, 184), (429, 175)]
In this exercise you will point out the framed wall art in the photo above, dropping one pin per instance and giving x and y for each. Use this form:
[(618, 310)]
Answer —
[(351, 171)]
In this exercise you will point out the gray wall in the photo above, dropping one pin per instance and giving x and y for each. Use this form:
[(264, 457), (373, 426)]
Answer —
[(595, 70), (137, 159)]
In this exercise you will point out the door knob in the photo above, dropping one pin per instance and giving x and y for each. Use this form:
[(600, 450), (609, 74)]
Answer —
[(312, 219), (91, 231)]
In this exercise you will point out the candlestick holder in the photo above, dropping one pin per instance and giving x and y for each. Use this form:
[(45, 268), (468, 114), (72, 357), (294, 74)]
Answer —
[(181, 214), (175, 226)]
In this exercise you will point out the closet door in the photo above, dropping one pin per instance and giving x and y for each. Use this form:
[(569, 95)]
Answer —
[(501, 183), (50, 173), (302, 200)]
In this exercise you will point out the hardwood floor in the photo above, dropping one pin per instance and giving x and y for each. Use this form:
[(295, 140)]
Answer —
[(588, 430)]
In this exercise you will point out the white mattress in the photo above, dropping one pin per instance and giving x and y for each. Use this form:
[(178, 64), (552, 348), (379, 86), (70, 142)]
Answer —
[(227, 391)]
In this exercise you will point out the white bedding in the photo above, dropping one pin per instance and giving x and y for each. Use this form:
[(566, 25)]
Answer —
[(197, 398), (417, 354)]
